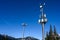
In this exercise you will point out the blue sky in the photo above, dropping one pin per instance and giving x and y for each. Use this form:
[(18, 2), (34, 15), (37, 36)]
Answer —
[(15, 12)]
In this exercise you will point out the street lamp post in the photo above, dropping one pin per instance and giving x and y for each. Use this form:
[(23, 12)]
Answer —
[(24, 25), (42, 20)]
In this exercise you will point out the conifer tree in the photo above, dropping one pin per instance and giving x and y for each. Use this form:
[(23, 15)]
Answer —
[(55, 30), (50, 32), (55, 33)]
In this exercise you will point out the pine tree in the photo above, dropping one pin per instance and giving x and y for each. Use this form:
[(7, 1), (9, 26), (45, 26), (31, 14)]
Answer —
[(55, 33), (55, 30), (50, 32)]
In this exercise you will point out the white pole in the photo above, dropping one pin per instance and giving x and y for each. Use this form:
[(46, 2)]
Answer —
[(42, 31)]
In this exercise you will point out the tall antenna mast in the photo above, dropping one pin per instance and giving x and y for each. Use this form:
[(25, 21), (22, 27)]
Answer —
[(23, 25), (42, 19)]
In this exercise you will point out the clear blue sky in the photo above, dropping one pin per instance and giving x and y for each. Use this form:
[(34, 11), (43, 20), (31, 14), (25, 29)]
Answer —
[(15, 12)]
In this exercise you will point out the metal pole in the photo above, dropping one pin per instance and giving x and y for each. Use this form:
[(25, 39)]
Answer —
[(23, 32), (42, 31), (42, 20), (24, 25)]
